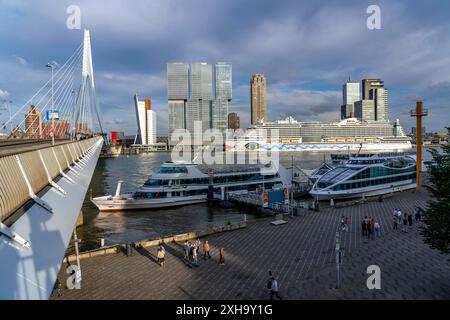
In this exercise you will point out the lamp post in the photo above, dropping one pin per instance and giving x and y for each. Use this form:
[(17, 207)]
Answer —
[(52, 66)]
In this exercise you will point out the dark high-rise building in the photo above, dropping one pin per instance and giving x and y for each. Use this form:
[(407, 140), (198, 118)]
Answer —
[(234, 122)]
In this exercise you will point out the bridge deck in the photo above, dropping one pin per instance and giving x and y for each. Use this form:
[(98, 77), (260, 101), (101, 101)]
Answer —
[(8, 148)]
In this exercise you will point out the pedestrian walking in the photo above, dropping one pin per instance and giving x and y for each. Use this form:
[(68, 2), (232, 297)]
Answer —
[(410, 219), (364, 227), (57, 288), (206, 250), (274, 289), (405, 222), (370, 228), (194, 254), (346, 223), (377, 229), (342, 223), (198, 243), (395, 218), (221, 256), (191, 250), (161, 256), (418, 214), (186, 249)]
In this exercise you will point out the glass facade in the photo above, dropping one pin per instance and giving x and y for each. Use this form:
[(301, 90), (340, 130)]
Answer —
[(223, 79), (219, 114), (177, 81)]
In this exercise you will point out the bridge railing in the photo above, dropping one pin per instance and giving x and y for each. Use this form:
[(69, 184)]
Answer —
[(24, 175)]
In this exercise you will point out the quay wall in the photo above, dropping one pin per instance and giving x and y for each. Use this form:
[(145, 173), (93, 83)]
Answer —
[(155, 242)]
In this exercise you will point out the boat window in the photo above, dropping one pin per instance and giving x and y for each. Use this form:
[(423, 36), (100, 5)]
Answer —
[(175, 169), (156, 182)]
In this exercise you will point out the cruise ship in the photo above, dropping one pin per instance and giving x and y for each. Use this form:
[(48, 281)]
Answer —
[(349, 135), (367, 175), (182, 183)]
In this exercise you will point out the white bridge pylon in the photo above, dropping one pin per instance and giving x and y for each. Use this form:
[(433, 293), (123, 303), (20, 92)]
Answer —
[(71, 97)]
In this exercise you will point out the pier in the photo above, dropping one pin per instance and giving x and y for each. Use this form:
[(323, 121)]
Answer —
[(301, 253)]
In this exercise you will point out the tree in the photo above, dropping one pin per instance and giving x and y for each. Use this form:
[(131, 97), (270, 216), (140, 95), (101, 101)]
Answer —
[(437, 214)]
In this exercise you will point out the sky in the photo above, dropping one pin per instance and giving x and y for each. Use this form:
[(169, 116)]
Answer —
[(306, 50)]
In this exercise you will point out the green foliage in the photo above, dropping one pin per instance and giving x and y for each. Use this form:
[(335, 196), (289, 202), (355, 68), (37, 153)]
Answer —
[(437, 214)]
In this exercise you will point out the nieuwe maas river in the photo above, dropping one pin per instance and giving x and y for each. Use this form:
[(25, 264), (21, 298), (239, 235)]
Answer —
[(133, 226)]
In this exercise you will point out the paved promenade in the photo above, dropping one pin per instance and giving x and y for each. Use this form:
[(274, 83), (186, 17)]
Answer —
[(300, 253)]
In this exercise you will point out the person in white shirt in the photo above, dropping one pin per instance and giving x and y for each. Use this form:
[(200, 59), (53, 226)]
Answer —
[(274, 289)]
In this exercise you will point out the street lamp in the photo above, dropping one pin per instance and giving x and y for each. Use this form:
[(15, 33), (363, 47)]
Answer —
[(52, 66)]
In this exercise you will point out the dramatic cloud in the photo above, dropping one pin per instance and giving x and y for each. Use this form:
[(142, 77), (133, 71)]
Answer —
[(306, 50)]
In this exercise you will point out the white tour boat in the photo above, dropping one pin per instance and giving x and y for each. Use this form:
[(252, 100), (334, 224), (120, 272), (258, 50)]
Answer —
[(181, 183), (369, 175)]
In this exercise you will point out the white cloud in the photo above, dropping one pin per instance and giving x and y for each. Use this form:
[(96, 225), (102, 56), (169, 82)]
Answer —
[(3, 93), (20, 60)]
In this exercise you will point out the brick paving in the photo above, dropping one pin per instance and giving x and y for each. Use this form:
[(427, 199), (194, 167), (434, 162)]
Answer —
[(300, 253)]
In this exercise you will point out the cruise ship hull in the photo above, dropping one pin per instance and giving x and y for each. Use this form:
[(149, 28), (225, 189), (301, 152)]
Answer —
[(362, 192), (326, 147), (107, 203)]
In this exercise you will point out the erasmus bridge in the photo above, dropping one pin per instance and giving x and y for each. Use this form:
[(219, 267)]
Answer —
[(46, 164)]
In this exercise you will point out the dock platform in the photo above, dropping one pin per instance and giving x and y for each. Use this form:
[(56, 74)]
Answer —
[(300, 253)]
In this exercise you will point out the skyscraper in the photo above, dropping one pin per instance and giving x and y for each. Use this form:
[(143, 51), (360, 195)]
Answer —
[(350, 94), (201, 81), (380, 98), (219, 114), (146, 121), (224, 84), (177, 95), (374, 90), (258, 98), (234, 122), (368, 84), (177, 81)]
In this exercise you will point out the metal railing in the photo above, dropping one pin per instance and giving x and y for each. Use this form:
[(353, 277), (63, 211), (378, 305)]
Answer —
[(24, 175)]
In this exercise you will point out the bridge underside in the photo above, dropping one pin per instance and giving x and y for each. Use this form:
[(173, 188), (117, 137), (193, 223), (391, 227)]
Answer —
[(30, 273)]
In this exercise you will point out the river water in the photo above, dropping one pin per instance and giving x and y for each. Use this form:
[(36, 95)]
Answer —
[(131, 226)]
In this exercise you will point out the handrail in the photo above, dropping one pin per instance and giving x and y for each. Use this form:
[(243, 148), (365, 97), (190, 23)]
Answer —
[(25, 174)]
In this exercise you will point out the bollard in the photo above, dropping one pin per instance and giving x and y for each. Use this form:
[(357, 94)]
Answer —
[(102, 242), (129, 249), (331, 202)]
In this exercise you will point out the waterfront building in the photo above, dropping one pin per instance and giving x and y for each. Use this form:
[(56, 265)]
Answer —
[(177, 95), (350, 94), (177, 81), (146, 121), (223, 81), (380, 99), (219, 114), (365, 110), (177, 115), (198, 111), (258, 99), (373, 89), (234, 122), (201, 81), (33, 123)]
